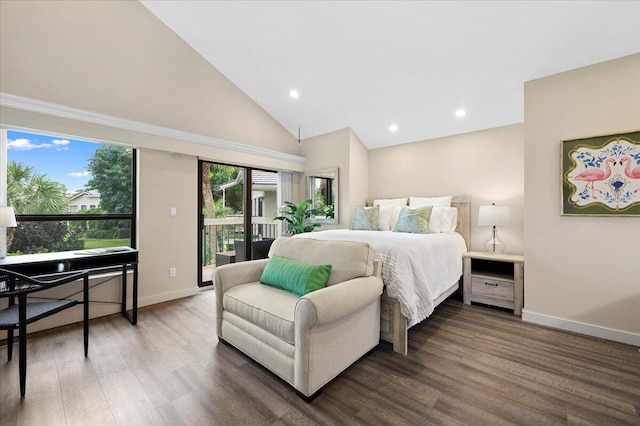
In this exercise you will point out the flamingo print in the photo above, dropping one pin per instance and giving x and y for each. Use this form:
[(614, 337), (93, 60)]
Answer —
[(631, 173), (596, 175)]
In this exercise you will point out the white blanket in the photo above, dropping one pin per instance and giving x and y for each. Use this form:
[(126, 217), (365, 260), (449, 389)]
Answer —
[(416, 268)]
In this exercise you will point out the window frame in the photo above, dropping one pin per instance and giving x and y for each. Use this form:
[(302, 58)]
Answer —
[(69, 217), (248, 210)]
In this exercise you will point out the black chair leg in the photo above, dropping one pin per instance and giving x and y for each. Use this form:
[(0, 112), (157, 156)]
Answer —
[(85, 322), (22, 339), (9, 344)]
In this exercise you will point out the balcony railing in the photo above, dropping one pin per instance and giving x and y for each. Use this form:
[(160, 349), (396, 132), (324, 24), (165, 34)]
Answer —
[(231, 228)]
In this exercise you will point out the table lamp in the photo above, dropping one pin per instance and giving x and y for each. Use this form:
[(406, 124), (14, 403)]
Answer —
[(7, 220), (493, 216)]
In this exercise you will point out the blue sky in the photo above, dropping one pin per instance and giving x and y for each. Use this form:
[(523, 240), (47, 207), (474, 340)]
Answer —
[(61, 159)]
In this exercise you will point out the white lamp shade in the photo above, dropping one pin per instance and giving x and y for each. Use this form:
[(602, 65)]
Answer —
[(7, 217), (493, 216)]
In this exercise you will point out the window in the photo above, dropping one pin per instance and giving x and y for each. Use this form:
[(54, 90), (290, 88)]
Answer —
[(68, 194)]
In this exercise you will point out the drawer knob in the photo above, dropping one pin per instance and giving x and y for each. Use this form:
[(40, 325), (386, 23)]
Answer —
[(491, 284)]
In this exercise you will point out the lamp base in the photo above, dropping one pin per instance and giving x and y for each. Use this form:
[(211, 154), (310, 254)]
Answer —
[(493, 244)]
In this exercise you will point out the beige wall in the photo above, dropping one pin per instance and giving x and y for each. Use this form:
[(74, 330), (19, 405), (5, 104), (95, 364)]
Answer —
[(485, 165), (581, 272), (117, 59), (358, 173), (342, 149), (167, 180), (327, 151)]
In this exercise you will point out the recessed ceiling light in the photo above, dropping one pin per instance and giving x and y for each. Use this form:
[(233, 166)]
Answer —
[(461, 113), (393, 128), (294, 94)]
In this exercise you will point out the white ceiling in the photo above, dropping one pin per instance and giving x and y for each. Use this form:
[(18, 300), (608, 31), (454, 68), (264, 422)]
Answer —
[(367, 64)]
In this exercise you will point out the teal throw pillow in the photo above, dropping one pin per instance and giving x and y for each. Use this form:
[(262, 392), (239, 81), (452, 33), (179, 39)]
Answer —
[(365, 219), (295, 277), (415, 221)]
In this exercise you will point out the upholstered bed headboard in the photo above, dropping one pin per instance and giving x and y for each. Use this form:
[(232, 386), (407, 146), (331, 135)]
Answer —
[(463, 204)]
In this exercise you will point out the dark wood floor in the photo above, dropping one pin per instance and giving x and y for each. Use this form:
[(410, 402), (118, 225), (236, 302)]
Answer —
[(466, 365)]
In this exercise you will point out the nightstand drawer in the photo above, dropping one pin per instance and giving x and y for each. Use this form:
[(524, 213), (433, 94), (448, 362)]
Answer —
[(494, 280), (498, 289)]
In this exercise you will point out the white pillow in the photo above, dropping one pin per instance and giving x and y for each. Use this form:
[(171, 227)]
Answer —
[(390, 202), (384, 216), (443, 219), (394, 216), (397, 204), (453, 219), (415, 202)]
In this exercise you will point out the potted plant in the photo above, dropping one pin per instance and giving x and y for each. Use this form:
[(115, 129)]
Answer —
[(297, 215)]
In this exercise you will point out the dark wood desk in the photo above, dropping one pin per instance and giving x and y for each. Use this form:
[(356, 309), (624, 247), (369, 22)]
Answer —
[(92, 261)]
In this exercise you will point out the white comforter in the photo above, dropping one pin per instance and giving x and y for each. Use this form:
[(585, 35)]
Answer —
[(416, 268)]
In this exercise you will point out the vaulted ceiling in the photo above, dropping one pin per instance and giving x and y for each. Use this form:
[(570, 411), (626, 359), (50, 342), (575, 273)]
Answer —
[(370, 64)]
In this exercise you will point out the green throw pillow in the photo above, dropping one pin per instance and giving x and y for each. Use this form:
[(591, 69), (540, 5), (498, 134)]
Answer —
[(365, 219), (415, 221), (296, 277)]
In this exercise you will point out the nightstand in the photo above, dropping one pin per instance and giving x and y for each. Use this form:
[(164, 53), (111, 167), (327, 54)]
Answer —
[(494, 279)]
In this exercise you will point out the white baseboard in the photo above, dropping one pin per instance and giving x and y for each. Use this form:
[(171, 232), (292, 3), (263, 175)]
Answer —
[(165, 297), (582, 328), (96, 310)]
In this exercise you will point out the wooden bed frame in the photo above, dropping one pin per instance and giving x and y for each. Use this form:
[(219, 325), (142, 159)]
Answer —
[(393, 325)]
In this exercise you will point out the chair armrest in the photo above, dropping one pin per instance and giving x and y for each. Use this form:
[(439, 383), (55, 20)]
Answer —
[(337, 301), (234, 274), (377, 268)]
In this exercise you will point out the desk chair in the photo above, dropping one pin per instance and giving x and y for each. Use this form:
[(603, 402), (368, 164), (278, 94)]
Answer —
[(12, 285)]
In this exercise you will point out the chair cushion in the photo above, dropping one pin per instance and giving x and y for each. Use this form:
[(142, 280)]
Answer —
[(269, 308), (295, 277), (35, 311), (348, 259)]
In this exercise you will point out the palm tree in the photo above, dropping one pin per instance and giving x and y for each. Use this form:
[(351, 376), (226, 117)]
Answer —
[(30, 192), (209, 204), (212, 175)]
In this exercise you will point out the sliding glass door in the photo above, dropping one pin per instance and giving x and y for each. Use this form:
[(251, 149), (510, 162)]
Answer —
[(237, 206)]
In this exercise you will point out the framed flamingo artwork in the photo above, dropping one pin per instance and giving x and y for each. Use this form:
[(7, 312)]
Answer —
[(601, 176)]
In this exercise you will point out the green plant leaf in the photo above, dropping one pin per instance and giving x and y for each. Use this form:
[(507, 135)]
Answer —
[(295, 216)]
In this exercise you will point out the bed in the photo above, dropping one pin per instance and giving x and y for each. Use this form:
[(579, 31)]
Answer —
[(419, 270)]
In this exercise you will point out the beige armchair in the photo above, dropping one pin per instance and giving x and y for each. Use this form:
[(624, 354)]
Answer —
[(309, 340)]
